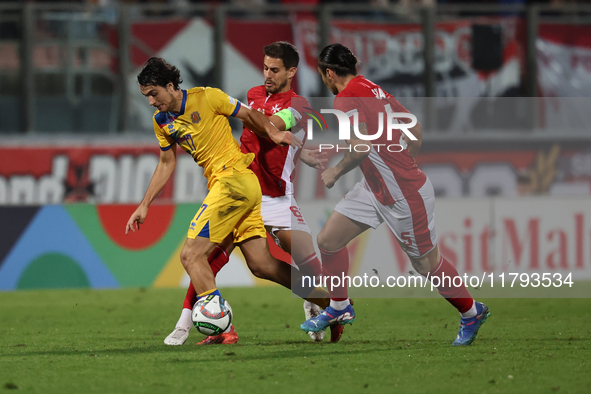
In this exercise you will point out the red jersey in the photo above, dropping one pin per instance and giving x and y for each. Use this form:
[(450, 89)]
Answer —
[(391, 176), (273, 164)]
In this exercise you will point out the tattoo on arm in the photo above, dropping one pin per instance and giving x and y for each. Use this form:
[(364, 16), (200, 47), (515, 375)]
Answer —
[(362, 128)]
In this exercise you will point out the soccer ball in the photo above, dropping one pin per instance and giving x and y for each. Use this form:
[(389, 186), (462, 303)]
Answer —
[(212, 315)]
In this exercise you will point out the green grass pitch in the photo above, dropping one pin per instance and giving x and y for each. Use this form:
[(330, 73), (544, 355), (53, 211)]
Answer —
[(79, 341)]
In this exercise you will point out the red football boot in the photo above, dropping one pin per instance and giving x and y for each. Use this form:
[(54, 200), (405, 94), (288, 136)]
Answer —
[(225, 338)]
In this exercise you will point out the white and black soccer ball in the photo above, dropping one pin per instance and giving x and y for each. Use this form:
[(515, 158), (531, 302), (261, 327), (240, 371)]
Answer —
[(212, 315)]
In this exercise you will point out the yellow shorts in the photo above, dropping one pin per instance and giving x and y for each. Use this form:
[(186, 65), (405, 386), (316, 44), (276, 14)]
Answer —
[(233, 205)]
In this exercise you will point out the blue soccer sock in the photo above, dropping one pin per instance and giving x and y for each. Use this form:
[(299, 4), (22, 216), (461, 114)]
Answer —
[(208, 292)]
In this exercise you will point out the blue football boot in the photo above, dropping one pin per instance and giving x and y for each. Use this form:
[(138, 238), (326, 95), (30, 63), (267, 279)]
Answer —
[(327, 317), (469, 326)]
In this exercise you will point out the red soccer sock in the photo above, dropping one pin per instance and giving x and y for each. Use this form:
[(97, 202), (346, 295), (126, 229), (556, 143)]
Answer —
[(310, 266), (458, 296), (217, 259), (190, 298), (336, 264)]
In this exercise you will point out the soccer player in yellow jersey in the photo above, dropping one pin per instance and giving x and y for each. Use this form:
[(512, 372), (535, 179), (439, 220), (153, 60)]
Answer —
[(197, 121)]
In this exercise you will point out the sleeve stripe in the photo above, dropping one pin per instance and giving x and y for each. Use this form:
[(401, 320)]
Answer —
[(166, 148), (237, 108)]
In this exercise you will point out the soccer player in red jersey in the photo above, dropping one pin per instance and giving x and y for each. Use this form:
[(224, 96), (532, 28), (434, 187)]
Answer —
[(394, 190), (274, 167)]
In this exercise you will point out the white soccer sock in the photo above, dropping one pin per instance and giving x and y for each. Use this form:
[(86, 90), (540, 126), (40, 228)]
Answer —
[(339, 305), (185, 320), (228, 329), (472, 312)]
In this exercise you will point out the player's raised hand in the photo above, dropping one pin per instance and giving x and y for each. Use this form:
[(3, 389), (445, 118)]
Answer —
[(329, 177), (314, 158), (136, 218)]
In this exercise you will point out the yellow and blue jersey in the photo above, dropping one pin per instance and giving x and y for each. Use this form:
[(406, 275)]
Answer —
[(202, 129)]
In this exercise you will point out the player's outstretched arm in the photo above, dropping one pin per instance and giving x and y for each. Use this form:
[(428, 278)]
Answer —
[(161, 175), (285, 120), (279, 123), (260, 124), (351, 160)]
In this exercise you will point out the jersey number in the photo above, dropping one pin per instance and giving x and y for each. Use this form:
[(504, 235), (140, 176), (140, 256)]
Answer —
[(296, 212), (201, 211), (406, 238)]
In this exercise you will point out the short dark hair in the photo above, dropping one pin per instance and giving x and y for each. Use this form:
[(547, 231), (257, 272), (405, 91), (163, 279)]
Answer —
[(285, 51), (157, 72), (339, 59)]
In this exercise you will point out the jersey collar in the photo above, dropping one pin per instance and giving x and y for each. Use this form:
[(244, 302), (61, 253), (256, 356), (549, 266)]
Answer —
[(182, 111), (357, 78), (183, 103)]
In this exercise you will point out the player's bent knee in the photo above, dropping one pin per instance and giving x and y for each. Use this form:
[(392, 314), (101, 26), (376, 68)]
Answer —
[(258, 273), (420, 265), (327, 242), (426, 263), (422, 270), (186, 257), (258, 270), (190, 255)]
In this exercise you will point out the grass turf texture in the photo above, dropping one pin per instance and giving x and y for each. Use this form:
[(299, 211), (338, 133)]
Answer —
[(74, 341)]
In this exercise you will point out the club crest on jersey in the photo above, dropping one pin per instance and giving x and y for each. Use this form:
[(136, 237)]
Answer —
[(276, 108), (195, 117)]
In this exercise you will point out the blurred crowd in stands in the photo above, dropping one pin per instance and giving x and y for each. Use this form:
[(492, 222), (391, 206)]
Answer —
[(556, 3), (85, 26)]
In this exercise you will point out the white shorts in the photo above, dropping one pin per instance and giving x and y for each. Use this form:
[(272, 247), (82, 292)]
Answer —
[(282, 213), (411, 220)]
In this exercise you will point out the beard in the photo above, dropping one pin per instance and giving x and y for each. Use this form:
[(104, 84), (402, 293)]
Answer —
[(276, 89)]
